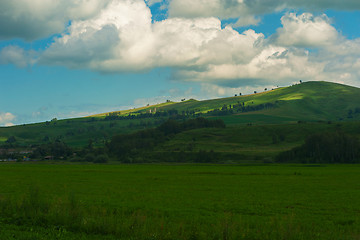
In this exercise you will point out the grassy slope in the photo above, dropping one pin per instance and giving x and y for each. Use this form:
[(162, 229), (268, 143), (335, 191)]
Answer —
[(310, 101), (135, 110), (75, 132), (306, 101)]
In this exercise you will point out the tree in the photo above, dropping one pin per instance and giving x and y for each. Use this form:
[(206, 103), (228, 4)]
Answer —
[(255, 92), (89, 157), (101, 159), (11, 139), (90, 144)]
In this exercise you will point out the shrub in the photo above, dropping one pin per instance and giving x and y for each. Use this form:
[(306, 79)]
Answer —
[(101, 159), (90, 157)]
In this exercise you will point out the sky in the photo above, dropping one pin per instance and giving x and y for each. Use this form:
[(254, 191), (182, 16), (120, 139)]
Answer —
[(74, 58)]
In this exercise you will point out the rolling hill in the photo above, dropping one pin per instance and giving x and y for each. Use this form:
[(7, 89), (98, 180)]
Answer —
[(309, 101), (306, 102)]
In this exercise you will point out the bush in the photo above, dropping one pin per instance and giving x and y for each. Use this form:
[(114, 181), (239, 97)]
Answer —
[(11, 139), (101, 159), (77, 159), (89, 157)]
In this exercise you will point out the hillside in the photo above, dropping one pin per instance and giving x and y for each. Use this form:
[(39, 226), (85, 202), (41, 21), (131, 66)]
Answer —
[(309, 101)]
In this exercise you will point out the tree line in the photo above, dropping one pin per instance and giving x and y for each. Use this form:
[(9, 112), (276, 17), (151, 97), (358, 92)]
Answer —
[(328, 147), (240, 107), (176, 114)]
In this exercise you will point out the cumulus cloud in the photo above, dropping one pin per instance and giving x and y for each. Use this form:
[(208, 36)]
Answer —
[(225, 9), (246, 20), (306, 30), (342, 61), (222, 9), (17, 56), (275, 65), (152, 2), (34, 19), (116, 39), (122, 37), (6, 119)]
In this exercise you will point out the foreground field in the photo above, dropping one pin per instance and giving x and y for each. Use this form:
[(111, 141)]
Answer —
[(45, 201)]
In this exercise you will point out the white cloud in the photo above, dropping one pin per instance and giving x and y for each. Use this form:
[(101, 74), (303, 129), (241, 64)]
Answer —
[(116, 39), (342, 61), (274, 65), (225, 9), (124, 38), (17, 56), (152, 2), (6, 119), (34, 19), (306, 30), (199, 42), (246, 20)]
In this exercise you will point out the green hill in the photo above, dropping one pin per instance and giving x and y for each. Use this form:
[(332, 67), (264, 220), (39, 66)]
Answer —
[(309, 101)]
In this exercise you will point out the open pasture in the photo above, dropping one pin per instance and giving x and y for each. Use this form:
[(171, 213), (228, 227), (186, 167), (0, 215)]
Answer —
[(53, 201)]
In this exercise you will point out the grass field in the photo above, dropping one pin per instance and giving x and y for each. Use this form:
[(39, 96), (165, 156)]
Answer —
[(52, 201)]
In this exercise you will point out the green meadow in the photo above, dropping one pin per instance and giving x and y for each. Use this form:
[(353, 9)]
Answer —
[(55, 201)]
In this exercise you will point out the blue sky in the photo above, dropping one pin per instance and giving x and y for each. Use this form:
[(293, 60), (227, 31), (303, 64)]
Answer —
[(75, 58)]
